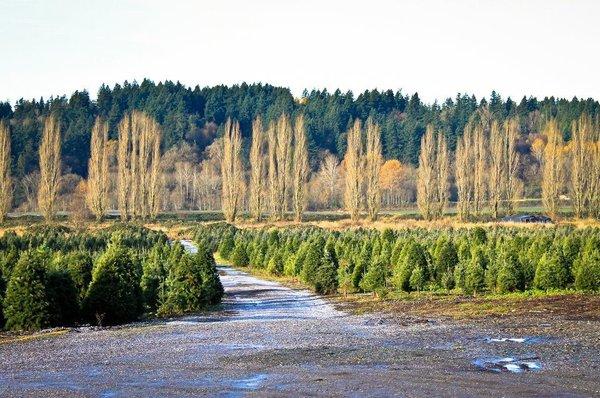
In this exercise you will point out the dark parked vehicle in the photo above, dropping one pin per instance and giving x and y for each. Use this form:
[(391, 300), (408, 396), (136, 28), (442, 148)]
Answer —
[(527, 218)]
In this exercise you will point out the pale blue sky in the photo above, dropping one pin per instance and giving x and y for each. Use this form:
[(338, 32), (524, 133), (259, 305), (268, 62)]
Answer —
[(435, 47)]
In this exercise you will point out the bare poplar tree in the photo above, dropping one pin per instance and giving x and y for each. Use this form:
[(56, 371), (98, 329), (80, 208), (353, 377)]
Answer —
[(480, 158), (283, 155), (426, 175), (124, 162), (580, 167), (442, 168), (594, 190), (256, 169), (139, 182), (231, 170), (300, 168), (552, 179), (373, 162), (272, 153), (511, 165), (329, 174), (6, 186), (155, 179), (464, 174), (97, 183), (496, 175), (353, 161), (49, 168), (280, 153)]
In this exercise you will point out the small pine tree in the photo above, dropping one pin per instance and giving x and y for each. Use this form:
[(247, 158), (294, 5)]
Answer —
[(375, 278), (550, 272), (211, 283), (475, 272), (345, 268), (326, 281), (312, 262), (115, 295), (361, 264), (587, 271), (26, 305), (275, 266), (414, 256), (62, 298), (510, 277), (417, 279), (79, 264), (226, 246), (239, 257), (445, 258), (154, 274)]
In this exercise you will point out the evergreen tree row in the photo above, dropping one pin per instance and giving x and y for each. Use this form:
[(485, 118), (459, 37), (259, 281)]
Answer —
[(55, 277), (473, 261)]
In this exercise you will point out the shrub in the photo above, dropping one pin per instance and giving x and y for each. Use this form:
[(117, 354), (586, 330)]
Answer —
[(478, 236), (211, 283), (550, 272), (326, 279), (192, 285), (114, 295), (417, 279), (79, 266), (374, 279), (312, 261), (475, 272), (275, 266), (154, 274), (239, 257), (344, 272), (26, 305), (510, 277), (226, 246), (63, 298), (445, 258), (587, 271), (413, 257), (363, 261)]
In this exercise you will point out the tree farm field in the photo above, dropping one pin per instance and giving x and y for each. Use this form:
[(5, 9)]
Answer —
[(280, 308)]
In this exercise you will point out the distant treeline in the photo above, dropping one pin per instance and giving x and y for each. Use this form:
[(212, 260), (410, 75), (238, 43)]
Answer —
[(195, 116), (53, 276), (473, 261)]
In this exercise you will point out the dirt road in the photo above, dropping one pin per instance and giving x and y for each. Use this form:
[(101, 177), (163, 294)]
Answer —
[(269, 340)]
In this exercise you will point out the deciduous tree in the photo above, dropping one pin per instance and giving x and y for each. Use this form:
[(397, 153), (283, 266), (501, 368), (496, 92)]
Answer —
[(232, 170), (6, 186), (553, 172), (97, 183), (49, 168), (300, 168), (373, 162), (353, 161), (256, 169)]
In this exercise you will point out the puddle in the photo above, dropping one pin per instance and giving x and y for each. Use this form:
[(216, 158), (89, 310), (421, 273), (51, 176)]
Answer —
[(508, 364), (250, 383), (528, 340)]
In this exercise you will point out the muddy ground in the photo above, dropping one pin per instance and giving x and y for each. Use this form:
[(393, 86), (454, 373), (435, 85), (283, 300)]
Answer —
[(270, 340)]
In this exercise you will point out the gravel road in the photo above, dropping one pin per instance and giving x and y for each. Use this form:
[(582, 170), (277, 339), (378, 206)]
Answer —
[(269, 340)]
